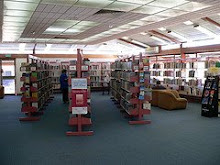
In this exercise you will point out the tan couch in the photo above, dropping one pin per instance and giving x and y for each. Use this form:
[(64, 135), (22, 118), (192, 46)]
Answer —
[(168, 99), (2, 94)]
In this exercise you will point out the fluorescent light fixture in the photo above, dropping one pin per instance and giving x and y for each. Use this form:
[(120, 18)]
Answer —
[(158, 39), (72, 48), (22, 47), (126, 38), (188, 23), (47, 47), (139, 43), (219, 14), (144, 33), (162, 29), (205, 31), (177, 35)]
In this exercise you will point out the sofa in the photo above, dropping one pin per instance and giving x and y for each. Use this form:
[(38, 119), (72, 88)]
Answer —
[(2, 93), (168, 99)]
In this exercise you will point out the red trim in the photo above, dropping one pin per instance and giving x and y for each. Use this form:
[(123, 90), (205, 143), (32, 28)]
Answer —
[(29, 118)]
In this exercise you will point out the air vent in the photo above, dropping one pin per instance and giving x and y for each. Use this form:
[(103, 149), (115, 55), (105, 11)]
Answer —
[(61, 37), (103, 11)]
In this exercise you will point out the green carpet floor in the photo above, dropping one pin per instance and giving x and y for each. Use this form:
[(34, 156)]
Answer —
[(180, 137)]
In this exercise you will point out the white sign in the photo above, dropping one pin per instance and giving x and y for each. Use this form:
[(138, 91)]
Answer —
[(79, 110), (79, 83), (72, 67), (85, 67)]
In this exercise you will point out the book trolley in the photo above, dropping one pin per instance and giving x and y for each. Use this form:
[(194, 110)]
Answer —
[(37, 89), (130, 88), (80, 109)]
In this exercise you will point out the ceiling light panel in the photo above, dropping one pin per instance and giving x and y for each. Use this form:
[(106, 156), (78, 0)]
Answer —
[(168, 3), (140, 2), (93, 3), (18, 5), (139, 23), (171, 13), (192, 6), (15, 19), (188, 23), (148, 9), (162, 29), (122, 6), (19, 13), (153, 18), (206, 31), (88, 23)]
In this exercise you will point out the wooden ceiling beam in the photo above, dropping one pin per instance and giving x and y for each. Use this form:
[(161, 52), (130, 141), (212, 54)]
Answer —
[(211, 21), (164, 36), (129, 42)]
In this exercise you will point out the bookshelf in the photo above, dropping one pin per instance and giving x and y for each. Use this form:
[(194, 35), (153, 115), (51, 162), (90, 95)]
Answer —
[(80, 95), (37, 89), (56, 69), (98, 71), (130, 84), (187, 76)]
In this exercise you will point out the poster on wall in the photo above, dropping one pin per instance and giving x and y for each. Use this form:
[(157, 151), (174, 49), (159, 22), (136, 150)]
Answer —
[(79, 83)]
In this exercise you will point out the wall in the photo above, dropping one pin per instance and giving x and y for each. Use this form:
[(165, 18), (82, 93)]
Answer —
[(18, 85)]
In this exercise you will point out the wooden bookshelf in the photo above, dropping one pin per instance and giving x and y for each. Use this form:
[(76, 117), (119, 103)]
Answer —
[(37, 89)]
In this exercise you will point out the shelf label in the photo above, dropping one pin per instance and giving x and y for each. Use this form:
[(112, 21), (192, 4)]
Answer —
[(79, 83), (136, 68), (72, 67), (33, 68), (146, 68), (85, 67), (79, 110)]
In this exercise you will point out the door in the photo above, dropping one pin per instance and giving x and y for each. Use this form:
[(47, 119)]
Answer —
[(8, 76), (0, 72)]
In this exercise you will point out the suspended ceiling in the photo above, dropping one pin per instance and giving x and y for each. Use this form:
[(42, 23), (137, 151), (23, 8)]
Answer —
[(85, 22)]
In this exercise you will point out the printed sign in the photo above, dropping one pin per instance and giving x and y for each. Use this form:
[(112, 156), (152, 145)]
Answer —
[(79, 110), (85, 67), (72, 67), (79, 83)]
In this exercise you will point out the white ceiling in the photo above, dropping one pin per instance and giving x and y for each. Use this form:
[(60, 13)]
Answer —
[(64, 23)]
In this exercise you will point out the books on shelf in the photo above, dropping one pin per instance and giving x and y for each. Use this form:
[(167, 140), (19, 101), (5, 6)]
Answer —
[(130, 85)]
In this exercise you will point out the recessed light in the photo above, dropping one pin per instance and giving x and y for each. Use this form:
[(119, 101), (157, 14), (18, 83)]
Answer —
[(188, 23), (162, 29)]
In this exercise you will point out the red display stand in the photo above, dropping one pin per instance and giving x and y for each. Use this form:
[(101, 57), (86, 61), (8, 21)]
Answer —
[(132, 78), (79, 95)]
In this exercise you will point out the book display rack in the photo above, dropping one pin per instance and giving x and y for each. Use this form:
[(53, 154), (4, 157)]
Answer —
[(37, 89), (80, 96), (130, 86)]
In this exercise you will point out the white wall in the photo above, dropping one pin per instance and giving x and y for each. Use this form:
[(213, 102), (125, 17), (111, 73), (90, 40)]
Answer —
[(18, 62)]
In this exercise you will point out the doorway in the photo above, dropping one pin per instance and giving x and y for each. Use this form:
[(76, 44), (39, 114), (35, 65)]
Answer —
[(8, 76)]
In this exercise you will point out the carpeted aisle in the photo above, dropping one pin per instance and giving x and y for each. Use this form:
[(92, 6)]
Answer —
[(177, 137)]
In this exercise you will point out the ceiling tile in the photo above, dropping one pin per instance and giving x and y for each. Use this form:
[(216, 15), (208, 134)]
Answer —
[(168, 3), (192, 6), (122, 6), (141, 2), (148, 9), (66, 2), (93, 3)]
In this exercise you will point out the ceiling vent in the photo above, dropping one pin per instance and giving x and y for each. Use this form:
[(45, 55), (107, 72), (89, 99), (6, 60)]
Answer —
[(109, 12), (61, 37)]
